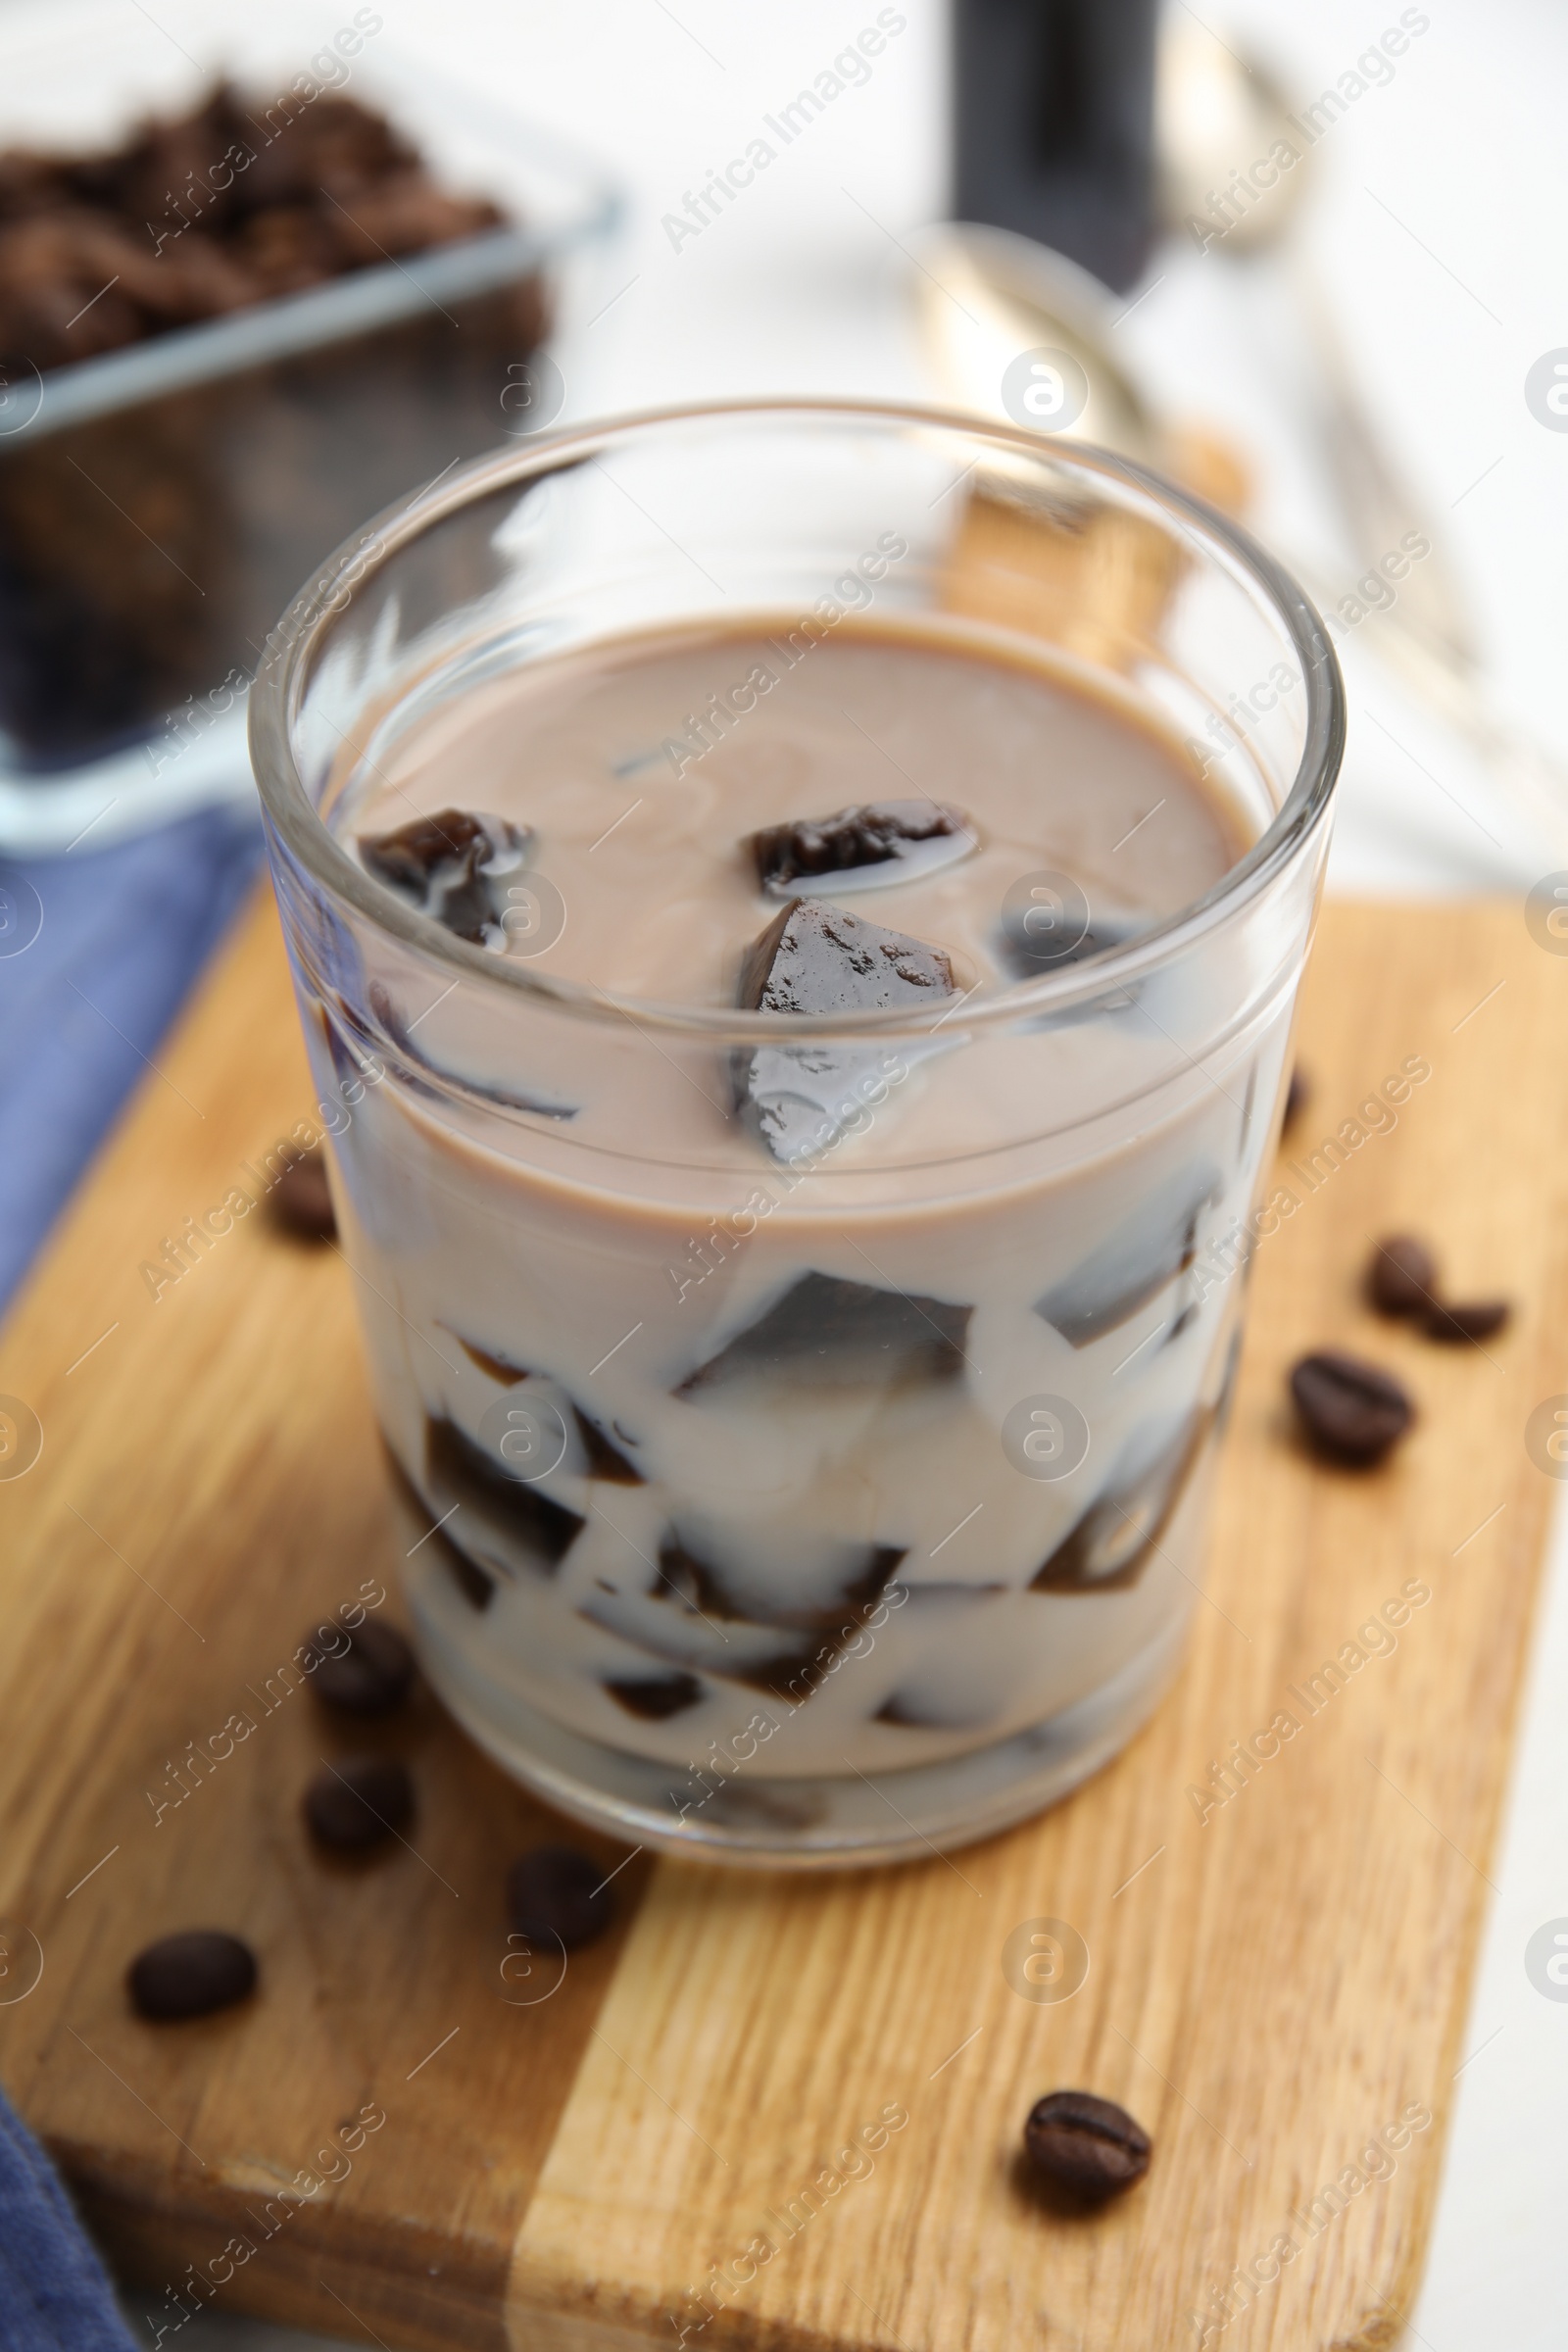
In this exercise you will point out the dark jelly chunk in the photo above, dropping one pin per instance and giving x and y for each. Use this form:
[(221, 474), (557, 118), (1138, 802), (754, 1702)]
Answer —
[(1109, 1546), (605, 1458), (449, 865), (846, 1584), (411, 857), (826, 1332), (817, 959), (476, 1587), (884, 841), (664, 1626), (926, 1704), (497, 1367), (458, 1467), (800, 1099), (417, 1070), (655, 1697), (1134, 1262), (1028, 954)]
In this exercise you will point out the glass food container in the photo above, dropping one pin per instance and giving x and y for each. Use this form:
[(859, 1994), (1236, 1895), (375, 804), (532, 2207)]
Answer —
[(161, 502)]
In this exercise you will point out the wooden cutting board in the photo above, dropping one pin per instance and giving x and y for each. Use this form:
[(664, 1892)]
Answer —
[(1272, 1981)]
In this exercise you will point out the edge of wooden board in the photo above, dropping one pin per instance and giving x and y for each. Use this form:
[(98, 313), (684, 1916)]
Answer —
[(618, 2222)]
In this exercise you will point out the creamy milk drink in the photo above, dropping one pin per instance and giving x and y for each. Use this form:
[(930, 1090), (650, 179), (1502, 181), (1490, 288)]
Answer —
[(802, 1173)]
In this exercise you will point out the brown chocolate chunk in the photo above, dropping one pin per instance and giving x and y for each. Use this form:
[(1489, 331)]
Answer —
[(372, 1677), (1402, 1276), (359, 1802), (1087, 2145), (302, 1199), (1467, 1319), (472, 1582), (559, 1893), (191, 1974), (1352, 1411), (915, 835)]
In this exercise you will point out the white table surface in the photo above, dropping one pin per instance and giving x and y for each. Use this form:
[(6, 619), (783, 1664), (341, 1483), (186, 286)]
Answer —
[(1436, 224)]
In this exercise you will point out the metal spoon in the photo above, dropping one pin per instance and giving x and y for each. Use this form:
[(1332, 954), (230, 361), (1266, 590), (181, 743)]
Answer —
[(1221, 114), (1217, 110), (984, 295)]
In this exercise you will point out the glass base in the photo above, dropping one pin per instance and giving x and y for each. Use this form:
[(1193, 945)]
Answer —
[(817, 1823)]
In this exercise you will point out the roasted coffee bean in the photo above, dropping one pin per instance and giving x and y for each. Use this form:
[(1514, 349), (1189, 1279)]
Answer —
[(301, 1200), (1402, 1276), (1298, 1095), (1469, 1319), (191, 1974), (1088, 2146), (559, 1893), (1352, 1411), (357, 1802), (372, 1677)]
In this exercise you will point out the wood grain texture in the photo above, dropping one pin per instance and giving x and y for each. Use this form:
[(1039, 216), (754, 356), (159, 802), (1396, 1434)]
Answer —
[(1269, 1984)]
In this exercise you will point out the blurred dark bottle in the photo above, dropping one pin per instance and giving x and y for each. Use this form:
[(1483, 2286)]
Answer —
[(1053, 106)]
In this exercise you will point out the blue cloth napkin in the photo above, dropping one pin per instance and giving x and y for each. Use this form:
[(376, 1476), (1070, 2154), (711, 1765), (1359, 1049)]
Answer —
[(55, 2294), (98, 949)]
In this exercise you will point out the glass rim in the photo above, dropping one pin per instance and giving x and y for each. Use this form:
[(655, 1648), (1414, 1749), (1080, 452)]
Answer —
[(303, 631)]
